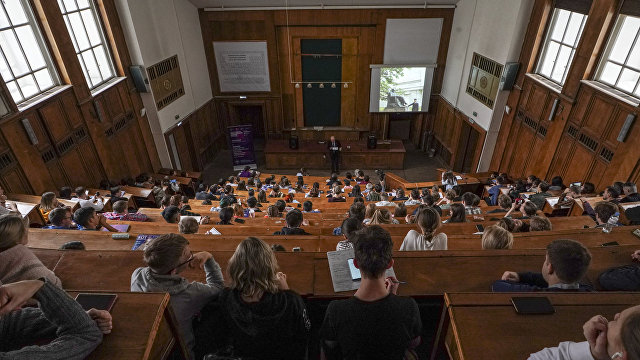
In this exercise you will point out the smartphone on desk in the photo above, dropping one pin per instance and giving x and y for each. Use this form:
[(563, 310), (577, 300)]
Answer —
[(96, 301), (238, 220), (479, 227)]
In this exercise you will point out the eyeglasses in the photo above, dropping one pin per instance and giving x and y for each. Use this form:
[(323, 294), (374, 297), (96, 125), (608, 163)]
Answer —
[(183, 263)]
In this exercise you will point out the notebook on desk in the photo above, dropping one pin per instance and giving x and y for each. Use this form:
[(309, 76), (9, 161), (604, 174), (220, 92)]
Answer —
[(120, 227)]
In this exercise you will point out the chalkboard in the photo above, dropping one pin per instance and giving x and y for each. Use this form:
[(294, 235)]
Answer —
[(322, 62)]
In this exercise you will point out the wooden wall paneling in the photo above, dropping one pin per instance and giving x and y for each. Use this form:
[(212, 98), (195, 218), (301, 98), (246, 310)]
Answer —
[(599, 114), (534, 37), (15, 181), (145, 130), (70, 108), (54, 120), (350, 72)]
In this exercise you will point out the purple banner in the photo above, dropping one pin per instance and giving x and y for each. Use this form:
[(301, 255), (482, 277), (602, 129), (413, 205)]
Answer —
[(241, 139)]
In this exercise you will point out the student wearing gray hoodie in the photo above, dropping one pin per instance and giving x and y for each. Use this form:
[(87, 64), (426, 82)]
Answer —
[(167, 256)]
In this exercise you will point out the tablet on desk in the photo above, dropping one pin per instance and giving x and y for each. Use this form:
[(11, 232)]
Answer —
[(355, 272), (538, 305), (96, 301)]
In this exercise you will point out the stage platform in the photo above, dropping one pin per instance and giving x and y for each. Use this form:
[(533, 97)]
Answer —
[(388, 155)]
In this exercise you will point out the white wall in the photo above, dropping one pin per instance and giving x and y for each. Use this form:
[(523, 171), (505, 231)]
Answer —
[(156, 30), (492, 28)]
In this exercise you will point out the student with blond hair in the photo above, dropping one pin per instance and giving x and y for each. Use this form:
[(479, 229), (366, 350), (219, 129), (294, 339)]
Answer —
[(48, 202), (259, 316), (17, 261), (429, 222), (382, 216), (496, 237)]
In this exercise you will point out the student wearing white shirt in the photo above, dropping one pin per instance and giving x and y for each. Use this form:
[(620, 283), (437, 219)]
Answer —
[(428, 220), (96, 201), (449, 180), (606, 339)]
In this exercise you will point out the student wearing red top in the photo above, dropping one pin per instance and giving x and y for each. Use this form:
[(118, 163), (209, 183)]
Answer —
[(121, 213)]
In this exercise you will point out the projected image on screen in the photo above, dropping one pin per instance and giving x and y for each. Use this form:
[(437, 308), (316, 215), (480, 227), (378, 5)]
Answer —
[(400, 89)]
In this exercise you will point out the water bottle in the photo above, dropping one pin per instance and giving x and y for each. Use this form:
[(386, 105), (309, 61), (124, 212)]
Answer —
[(613, 221)]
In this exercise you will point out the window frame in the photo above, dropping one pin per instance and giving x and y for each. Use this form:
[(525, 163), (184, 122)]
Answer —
[(604, 59), (104, 42), (45, 50), (547, 40)]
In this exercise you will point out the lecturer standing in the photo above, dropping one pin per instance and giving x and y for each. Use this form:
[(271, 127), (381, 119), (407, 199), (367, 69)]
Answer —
[(334, 151)]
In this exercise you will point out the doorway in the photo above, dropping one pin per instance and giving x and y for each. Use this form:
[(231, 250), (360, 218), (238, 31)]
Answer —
[(247, 113), (466, 151)]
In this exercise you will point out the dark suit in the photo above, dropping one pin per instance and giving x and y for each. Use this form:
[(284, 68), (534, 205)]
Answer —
[(334, 153)]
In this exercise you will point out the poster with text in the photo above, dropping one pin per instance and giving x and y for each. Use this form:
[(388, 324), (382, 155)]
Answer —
[(241, 139), (243, 66)]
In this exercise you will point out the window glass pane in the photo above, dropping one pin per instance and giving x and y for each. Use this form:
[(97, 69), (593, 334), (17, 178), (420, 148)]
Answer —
[(70, 5), (634, 58), (4, 20), (78, 31), (573, 30), (4, 69), (92, 67), (637, 92), (103, 62), (549, 58), (623, 43), (15, 93), (561, 63), (61, 5), (28, 86), (92, 29), (12, 51), (31, 47), (44, 79), (71, 33), (610, 73), (15, 11), (83, 4), (561, 23), (628, 80), (84, 70)]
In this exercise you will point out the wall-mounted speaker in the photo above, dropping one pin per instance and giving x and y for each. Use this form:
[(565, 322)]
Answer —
[(554, 107), (140, 79), (622, 135), (372, 142), (30, 133), (293, 142), (508, 78)]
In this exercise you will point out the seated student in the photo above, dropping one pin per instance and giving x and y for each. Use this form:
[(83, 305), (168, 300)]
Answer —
[(61, 219), (400, 211), (618, 338), (504, 201), (414, 198), (294, 219), (242, 186), (630, 193), (282, 206), (307, 207), (568, 197), (449, 180), (540, 198), (603, 211), (430, 201), (259, 317), (246, 172), (48, 202), (166, 201), (557, 184), (588, 190), (458, 214), (252, 203), (495, 191), (622, 278), (382, 216), (370, 209), (385, 200), (374, 323), (166, 257), (513, 225), (226, 216), (496, 237), (468, 200), (65, 193), (188, 225), (565, 264), (59, 324), (356, 211), (96, 201), (238, 211), (400, 196), (203, 194), (275, 192), (448, 199), (355, 192), (157, 191), (337, 195), (121, 213), (374, 194), (262, 197), (540, 223), (171, 214), (527, 209), (428, 221), (610, 194), (178, 201), (365, 180), (87, 219), (272, 212), (333, 180), (347, 186), (17, 261), (349, 226)]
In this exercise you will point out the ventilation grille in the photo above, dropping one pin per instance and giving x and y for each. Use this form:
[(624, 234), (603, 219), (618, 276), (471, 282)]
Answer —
[(65, 145), (166, 81), (484, 79), (572, 131), (119, 125), (530, 123), (588, 142), (606, 154), (80, 133), (48, 155), (6, 160), (542, 131)]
